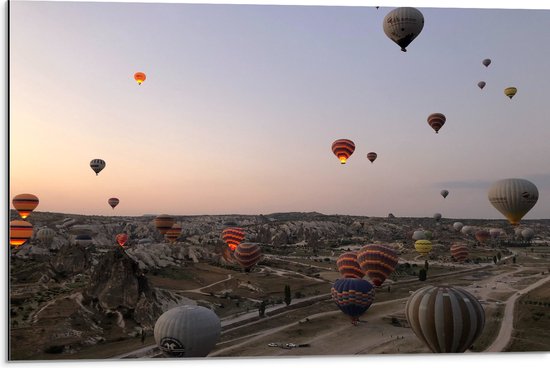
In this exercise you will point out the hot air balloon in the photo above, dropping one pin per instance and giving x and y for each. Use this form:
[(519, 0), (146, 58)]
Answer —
[(495, 233), (20, 232), (510, 92), (140, 77), (163, 223), (247, 254), (428, 235), (458, 226), (482, 236), (481, 84), (233, 236), (348, 266), (527, 234), (352, 296), (419, 235), (187, 331), (444, 193), (97, 165), (467, 230), (459, 252), (436, 121), (25, 204), (403, 25), (447, 319), (343, 149), (113, 202), (173, 233), (486, 62), (377, 261), (83, 240), (371, 156), (121, 239), (437, 216), (423, 247), (228, 255), (513, 198), (45, 235)]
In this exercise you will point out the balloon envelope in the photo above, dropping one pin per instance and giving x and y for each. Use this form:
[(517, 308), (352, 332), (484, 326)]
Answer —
[(486, 62), (173, 233), (377, 261), (436, 121), (371, 156), (459, 252), (83, 240), (140, 77), (113, 202), (513, 198), (343, 149), (457, 226), (447, 319), (20, 232), (187, 331), (233, 236), (353, 296), (510, 92), (403, 25), (481, 84), (419, 235), (444, 193), (437, 216), (482, 236), (121, 239), (97, 165), (423, 247), (527, 234), (163, 223), (25, 204), (45, 235), (248, 254), (348, 266)]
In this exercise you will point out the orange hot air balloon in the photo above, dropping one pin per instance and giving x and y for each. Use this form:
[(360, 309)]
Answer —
[(20, 232), (371, 156), (343, 149), (174, 233), (25, 204), (163, 223), (436, 121), (140, 77), (233, 236), (113, 202), (121, 239)]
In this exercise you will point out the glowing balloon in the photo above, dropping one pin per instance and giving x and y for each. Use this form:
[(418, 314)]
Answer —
[(348, 266), (163, 223), (436, 121), (486, 62), (20, 232), (121, 239), (513, 198), (233, 236), (248, 254), (459, 252), (343, 149), (510, 92), (113, 202), (140, 77), (403, 25), (377, 261), (481, 84), (353, 296), (97, 165), (423, 247), (447, 319), (25, 204), (371, 156), (444, 193)]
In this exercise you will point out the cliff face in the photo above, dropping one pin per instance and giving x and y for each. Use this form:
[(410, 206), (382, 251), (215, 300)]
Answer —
[(71, 260)]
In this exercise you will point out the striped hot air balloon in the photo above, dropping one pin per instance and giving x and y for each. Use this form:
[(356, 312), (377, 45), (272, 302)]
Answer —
[(447, 319), (140, 77), (343, 149), (423, 246), (459, 252), (45, 235), (121, 239), (173, 233), (353, 296), (248, 254), (163, 223), (113, 202), (97, 165), (377, 261), (436, 121), (20, 232), (371, 156), (233, 236), (348, 266), (25, 204)]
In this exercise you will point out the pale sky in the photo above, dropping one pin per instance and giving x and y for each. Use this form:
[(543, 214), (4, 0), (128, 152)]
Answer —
[(242, 103)]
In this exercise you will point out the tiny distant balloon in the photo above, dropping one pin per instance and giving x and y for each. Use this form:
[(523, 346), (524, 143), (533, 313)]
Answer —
[(436, 121), (444, 193), (437, 216), (174, 233), (97, 165), (113, 202), (121, 239), (486, 62), (371, 156), (140, 77), (25, 204), (510, 92), (343, 149), (481, 84), (403, 25), (20, 232)]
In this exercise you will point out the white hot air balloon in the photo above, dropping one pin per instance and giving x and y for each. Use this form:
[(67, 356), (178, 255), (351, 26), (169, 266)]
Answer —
[(513, 198), (467, 230), (527, 234), (458, 226), (403, 25), (187, 331), (419, 235)]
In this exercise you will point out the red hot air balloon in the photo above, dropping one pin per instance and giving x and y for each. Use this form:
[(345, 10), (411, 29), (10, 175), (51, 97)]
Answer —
[(163, 223), (348, 266), (20, 232), (436, 121), (343, 149), (233, 236), (459, 252), (248, 254), (113, 202), (121, 239), (377, 261), (140, 77), (25, 204), (371, 156)]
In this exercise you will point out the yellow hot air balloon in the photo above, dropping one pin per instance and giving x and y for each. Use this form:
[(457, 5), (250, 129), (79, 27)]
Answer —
[(513, 198), (510, 91), (25, 204), (140, 77), (423, 246)]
